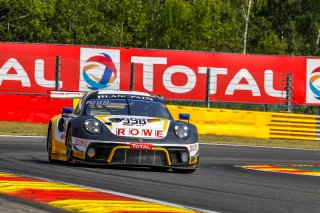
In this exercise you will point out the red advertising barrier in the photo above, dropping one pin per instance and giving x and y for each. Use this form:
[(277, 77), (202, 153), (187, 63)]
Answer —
[(233, 77), (30, 108), (30, 68), (180, 75)]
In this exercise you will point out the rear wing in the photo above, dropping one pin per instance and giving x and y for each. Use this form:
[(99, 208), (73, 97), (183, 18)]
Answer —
[(75, 96), (65, 94)]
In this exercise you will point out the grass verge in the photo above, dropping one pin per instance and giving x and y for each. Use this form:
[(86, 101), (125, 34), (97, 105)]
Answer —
[(302, 144), (23, 128), (36, 129)]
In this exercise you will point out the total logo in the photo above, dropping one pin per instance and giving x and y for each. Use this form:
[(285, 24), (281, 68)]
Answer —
[(315, 75), (99, 69), (96, 77), (141, 146), (313, 81)]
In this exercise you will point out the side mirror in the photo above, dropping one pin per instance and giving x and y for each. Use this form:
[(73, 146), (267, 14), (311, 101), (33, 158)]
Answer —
[(66, 111), (184, 116)]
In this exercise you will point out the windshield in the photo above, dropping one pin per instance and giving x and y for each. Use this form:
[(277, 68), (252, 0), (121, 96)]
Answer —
[(120, 107)]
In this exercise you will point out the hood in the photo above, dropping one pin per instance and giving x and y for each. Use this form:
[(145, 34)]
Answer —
[(136, 126)]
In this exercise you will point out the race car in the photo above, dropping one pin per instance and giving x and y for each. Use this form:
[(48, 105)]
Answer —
[(123, 128)]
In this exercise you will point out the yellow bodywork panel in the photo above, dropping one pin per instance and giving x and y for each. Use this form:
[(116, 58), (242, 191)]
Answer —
[(75, 103), (58, 148)]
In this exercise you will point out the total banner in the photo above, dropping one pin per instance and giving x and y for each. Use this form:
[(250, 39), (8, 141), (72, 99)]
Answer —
[(177, 75)]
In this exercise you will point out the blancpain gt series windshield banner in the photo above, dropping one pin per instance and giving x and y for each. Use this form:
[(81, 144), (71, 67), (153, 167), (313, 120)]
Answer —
[(178, 75)]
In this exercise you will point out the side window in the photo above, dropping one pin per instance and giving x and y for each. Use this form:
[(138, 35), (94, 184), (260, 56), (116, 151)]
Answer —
[(79, 107)]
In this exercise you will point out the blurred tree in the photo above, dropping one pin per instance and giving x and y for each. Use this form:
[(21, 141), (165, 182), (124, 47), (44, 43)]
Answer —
[(294, 22), (76, 22), (25, 21), (215, 26), (290, 27)]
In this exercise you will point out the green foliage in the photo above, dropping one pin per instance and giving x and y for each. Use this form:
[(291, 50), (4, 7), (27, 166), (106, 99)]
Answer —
[(271, 44), (285, 27), (25, 20)]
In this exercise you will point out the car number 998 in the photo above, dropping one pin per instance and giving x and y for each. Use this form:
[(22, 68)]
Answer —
[(134, 121)]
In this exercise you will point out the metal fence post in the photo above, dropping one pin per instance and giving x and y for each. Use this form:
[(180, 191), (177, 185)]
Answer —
[(57, 80), (289, 93), (208, 88), (132, 77)]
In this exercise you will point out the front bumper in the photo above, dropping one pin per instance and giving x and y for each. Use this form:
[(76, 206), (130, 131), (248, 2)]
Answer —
[(167, 155)]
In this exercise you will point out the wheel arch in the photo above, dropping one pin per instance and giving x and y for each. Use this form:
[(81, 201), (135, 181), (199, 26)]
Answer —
[(67, 132)]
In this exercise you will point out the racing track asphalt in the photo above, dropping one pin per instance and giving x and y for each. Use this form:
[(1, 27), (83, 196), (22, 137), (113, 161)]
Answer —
[(218, 186)]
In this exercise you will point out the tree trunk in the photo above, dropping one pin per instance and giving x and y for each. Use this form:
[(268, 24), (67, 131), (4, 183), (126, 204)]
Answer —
[(246, 16)]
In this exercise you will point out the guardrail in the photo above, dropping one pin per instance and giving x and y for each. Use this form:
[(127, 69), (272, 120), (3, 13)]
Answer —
[(251, 123), (291, 126)]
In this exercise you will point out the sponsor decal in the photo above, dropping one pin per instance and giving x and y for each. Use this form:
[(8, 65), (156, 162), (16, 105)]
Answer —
[(313, 81), (139, 127), (133, 121), (98, 103), (99, 69), (139, 132), (141, 146), (124, 96), (194, 147), (80, 145), (80, 142)]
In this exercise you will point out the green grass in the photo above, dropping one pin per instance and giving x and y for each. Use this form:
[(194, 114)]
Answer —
[(260, 142), (36, 129), (23, 128)]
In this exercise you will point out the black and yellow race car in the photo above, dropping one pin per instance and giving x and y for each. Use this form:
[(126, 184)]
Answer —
[(122, 128)]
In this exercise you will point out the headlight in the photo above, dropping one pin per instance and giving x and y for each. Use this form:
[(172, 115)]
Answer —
[(181, 130), (92, 126)]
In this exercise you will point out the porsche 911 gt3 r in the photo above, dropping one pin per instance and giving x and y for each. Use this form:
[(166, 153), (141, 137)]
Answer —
[(122, 128)]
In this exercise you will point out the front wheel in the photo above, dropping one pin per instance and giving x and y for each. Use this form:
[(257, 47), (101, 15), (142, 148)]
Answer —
[(69, 158)]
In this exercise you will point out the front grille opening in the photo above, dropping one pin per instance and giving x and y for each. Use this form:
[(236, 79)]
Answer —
[(139, 157)]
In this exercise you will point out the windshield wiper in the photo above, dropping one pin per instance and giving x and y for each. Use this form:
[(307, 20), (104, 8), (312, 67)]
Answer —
[(129, 112)]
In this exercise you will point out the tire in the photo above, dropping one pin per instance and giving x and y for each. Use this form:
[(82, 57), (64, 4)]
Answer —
[(69, 158), (49, 144)]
